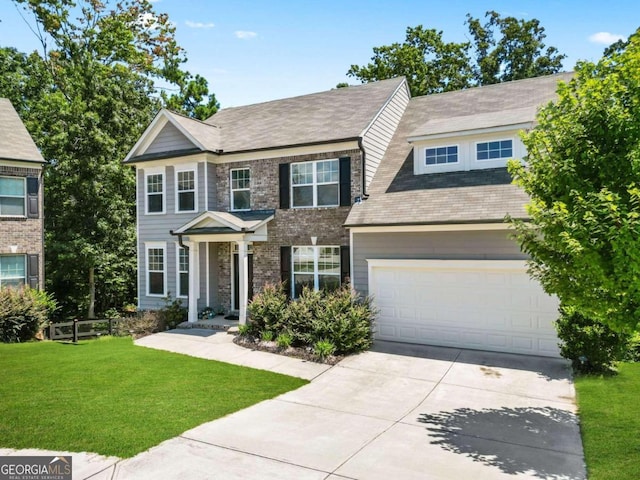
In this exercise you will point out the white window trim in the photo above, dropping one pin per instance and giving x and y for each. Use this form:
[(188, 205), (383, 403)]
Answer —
[(24, 197), (163, 247), (314, 185), (178, 271), (147, 173), (440, 165), (231, 190), (186, 168), (24, 278), (316, 273), (489, 160)]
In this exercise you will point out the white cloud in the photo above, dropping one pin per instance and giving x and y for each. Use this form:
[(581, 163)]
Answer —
[(245, 35), (191, 24), (148, 20), (606, 38)]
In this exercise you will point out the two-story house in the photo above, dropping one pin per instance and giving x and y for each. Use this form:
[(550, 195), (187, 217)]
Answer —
[(430, 243), (21, 203), (257, 194)]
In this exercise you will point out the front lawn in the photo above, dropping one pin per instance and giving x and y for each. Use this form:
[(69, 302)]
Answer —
[(610, 423), (111, 397)]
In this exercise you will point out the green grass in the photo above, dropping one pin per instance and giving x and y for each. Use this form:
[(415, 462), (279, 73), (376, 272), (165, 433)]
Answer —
[(111, 397), (610, 422)]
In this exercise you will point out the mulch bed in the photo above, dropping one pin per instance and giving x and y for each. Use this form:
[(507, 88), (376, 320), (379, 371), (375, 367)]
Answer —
[(304, 353)]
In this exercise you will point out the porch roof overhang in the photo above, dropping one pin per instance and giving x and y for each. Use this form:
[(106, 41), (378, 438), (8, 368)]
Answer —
[(212, 226)]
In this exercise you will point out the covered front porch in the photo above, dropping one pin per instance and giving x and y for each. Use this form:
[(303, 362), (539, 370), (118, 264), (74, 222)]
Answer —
[(238, 230)]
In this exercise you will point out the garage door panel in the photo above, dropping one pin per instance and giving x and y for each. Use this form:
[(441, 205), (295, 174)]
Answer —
[(472, 304)]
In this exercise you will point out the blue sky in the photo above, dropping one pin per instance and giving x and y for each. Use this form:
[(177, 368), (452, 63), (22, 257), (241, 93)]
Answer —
[(254, 51)]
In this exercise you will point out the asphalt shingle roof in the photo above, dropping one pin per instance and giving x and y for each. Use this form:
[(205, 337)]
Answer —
[(397, 196), (334, 115), (15, 141)]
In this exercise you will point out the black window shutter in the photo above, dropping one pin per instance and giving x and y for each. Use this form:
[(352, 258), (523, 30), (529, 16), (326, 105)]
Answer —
[(32, 197), (285, 269), (33, 271), (345, 264), (345, 181), (284, 185)]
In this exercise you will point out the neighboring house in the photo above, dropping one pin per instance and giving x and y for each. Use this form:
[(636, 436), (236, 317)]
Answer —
[(430, 243), (257, 194), (21, 204)]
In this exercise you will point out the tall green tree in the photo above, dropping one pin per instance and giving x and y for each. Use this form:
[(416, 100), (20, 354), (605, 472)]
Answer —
[(583, 177), (95, 94), (501, 49), (507, 48)]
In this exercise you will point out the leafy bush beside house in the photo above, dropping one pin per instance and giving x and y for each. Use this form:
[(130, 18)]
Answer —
[(24, 312), (340, 318), (592, 347)]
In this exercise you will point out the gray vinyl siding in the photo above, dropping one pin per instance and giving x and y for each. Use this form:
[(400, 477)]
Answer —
[(155, 228), (212, 185), (376, 139), (169, 139), (476, 245)]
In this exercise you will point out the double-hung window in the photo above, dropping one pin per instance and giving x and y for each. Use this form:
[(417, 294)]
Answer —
[(315, 184), (186, 190), (494, 150), (156, 269), (183, 272), (315, 267), (154, 185), (240, 189), (441, 155), (12, 196), (13, 270)]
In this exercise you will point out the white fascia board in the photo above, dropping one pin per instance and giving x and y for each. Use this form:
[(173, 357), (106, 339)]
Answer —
[(443, 227), (148, 135), (475, 131)]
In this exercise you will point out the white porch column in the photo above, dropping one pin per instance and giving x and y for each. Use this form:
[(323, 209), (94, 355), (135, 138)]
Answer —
[(194, 281), (243, 280)]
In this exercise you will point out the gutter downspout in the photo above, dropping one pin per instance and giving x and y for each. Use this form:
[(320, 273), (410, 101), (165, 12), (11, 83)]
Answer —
[(365, 195), (192, 301)]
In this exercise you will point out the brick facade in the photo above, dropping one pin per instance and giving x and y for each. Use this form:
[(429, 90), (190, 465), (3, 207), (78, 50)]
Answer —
[(292, 226), (21, 235)]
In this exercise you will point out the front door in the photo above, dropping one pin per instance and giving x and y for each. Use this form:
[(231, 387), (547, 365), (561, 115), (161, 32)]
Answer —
[(236, 280)]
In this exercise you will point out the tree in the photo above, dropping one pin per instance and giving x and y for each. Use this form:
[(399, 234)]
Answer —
[(430, 64), (501, 49), (95, 95), (517, 53), (583, 177)]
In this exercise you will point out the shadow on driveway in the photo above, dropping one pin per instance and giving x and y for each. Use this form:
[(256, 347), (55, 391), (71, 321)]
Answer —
[(464, 431)]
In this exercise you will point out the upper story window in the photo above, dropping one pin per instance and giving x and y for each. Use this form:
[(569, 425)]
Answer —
[(12, 196), (240, 189), (441, 155), (186, 190), (494, 150), (154, 184), (13, 270), (315, 184)]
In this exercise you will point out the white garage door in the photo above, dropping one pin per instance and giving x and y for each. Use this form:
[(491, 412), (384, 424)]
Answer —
[(480, 304)]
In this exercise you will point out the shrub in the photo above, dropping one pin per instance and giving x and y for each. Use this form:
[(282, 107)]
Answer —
[(140, 325), (339, 317), (591, 346), (267, 308), (284, 340), (173, 313), (23, 313), (267, 336), (323, 349), (244, 330)]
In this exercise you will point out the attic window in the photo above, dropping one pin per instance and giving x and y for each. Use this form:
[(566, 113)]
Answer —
[(441, 155), (494, 150)]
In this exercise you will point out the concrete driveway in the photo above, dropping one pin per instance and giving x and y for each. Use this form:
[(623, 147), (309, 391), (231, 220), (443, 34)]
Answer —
[(397, 412)]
